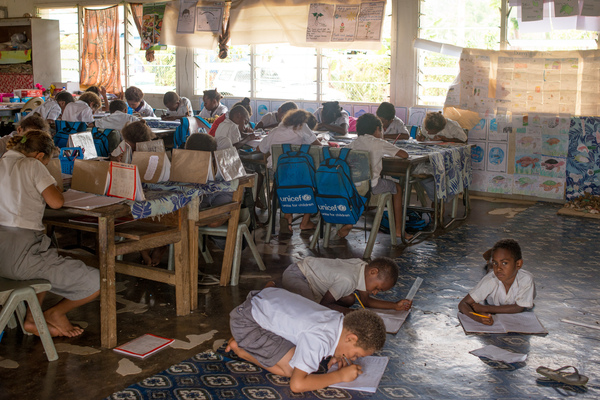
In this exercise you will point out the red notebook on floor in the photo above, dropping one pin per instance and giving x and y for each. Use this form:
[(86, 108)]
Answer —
[(144, 346)]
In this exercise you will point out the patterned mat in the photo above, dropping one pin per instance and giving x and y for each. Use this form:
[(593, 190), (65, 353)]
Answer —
[(429, 357)]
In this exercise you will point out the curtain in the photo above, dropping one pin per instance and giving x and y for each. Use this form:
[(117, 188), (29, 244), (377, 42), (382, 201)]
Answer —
[(100, 59), (137, 10)]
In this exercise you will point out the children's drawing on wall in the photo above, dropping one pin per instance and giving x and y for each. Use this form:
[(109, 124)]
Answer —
[(416, 116), (209, 19), (262, 107), (186, 23), (530, 141), (360, 110), (523, 184), (370, 21), (527, 164), (496, 157), (553, 166), (555, 145), (478, 156), (310, 107), (479, 131), (499, 183), (344, 23), (504, 127), (553, 188), (583, 163), (478, 181), (320, 22)]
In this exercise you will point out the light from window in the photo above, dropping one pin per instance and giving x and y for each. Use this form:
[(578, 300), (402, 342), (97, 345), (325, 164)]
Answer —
[(231, 76), (69, 40)]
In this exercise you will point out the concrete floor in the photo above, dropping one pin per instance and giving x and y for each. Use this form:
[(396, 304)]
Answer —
[(86, 371)]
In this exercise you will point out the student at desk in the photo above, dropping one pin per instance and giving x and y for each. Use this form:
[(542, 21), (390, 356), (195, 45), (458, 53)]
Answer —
[(135, 99), (178, 107), (132, 133), (25, 251), (212, 104), (34, 122), (101, 92), (272, 119), (393, 127), (439, 128), (331, 117), (83, 109), (53, 107), (233, 126), (245, 102)]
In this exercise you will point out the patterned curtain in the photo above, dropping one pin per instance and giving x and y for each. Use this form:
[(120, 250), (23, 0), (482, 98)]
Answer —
[(100, 59), (137, 9)]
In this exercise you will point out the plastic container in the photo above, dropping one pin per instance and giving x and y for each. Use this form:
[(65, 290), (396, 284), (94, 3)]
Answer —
[(67, 158), (15, 100)]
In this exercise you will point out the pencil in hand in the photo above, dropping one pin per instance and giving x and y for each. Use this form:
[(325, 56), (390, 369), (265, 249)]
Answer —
[(359, 302), (481, 315)]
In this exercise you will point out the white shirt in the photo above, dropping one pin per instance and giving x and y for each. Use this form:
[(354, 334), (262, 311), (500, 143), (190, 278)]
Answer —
[(313, 328), (145, 110), (48, 110), (220, 110), (377, 148), (78, 111), (223, 143), (396, 127), (116, 120), (336, 276), (123, 147), (286, 135), (229, 129), (269, 119), (490, 288), (4, 141), (183, 110), (344, 119), (452, 130), (23, 179)]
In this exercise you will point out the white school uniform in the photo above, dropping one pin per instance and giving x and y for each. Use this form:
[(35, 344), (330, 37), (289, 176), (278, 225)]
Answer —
[(183, 110), (377, 148), (125, 149), (336, 276), (78, 111), (396, 127), (343, 119), (220, 110), (144, 110), (313, 328), (490, 288), (452, 130), (116, 120), (286, 135), (229, 129), (269, 119), (48, 110), (23, 205)]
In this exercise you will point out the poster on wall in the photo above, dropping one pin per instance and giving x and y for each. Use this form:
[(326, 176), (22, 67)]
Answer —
[(209, 19), (478, 158), (152, 20), (370, 21), (496, 157), (498, 183), (344, 23), (583, 161), (186, 22), (320, 22), (479, 131)]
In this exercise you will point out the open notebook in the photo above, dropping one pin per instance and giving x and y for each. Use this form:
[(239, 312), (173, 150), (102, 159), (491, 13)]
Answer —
[(523, 322), (372, 368), (393, 319)]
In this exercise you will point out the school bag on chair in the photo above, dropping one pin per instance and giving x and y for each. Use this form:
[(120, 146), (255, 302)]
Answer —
[(295, 181), (64, 129), (101, 141), (337, 197)]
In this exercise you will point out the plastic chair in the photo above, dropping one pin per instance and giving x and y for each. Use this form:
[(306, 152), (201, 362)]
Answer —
[(32, 104), (12, 294)]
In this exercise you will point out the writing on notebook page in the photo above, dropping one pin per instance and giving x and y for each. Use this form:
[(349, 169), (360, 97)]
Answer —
[(372, 370)]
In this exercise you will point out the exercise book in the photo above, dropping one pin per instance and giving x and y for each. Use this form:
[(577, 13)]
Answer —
[(372, 371), (394, 319), (523, 322)]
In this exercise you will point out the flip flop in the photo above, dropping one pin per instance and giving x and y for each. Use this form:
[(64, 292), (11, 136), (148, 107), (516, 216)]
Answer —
[(285, 226), (569, 378)]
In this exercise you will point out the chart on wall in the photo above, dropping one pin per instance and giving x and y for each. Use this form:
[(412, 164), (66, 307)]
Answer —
[(345, 23)]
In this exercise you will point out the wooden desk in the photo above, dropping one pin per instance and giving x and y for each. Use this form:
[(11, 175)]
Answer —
[(139, 235), (259, 159)]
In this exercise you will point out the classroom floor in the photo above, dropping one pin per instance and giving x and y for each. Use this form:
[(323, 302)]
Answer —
[(429, 357)]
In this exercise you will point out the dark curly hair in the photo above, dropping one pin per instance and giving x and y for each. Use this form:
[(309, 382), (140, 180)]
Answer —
[(368, 328), (509, 245)]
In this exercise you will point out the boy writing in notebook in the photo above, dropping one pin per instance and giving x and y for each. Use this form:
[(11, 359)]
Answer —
[(505, 290), (289, 335), (332, 282)]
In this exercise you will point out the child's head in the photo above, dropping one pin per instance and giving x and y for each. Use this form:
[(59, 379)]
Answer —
[(363, 334), (134, 96), (64, 98), (33, 122), (368, 124), (239, 115), (92, 100), (386, 113), (506, 260), (434, 123), (34, 143), (117, 105), (246, 104), (211, 99), (381, 275), (93, 89), (201, 142), (284, 108), (331, 112), (171, 101), (296, 118), (135, 132)]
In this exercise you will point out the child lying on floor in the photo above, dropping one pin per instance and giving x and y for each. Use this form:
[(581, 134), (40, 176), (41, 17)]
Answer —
[(332, 282), (505, 290), (288, 335)]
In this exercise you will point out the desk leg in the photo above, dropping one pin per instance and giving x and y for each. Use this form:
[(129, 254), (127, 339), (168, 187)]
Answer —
[(232, 228), (193, 261), (108, 295), (182, 266), (405, 201)]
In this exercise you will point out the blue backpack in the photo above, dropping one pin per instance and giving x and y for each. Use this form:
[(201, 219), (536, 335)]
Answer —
[(337, 197), (64, 129), (295, 181), (101, 141), (183, 131)]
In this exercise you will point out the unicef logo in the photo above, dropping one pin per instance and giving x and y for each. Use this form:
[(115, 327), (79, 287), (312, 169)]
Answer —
[(341, 207), (306, 197)]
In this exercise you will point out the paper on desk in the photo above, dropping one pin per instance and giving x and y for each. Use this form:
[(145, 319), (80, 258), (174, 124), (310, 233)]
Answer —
[(497, 354), (372, 368), (87, 201)]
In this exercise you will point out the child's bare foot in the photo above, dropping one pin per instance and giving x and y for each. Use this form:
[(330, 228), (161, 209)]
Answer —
[(407, 235), (307, 226), (146, 258), (29, 325), (231, 345), (344, 231), (59, 324), (157, 255)]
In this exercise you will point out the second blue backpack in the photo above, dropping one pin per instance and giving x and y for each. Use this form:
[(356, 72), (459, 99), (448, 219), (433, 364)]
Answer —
[(295, 181), (337, 197), (64, 129)]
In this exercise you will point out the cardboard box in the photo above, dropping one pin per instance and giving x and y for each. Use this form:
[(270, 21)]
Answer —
[(28, 93)]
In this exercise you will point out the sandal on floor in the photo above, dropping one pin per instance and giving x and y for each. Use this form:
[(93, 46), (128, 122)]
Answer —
[(569, 378), (285, 226)]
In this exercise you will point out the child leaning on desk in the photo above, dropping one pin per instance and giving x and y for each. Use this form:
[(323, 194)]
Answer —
[(52, 108), (34, 122), (331, 117), (369, 131), (393, 127), (505, 290), (332, 282), (289, 335), (25, 251), (177, 107), (436, 127), (274, 118), (83, 109), (233, 126), (245, 102), (132, 133), (135, 99), (212, 104)]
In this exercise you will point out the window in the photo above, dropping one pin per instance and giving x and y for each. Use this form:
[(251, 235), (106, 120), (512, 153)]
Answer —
[(547, 41), (69, 40), (231, 76)]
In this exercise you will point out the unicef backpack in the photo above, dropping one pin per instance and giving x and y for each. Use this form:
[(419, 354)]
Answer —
[(64, 129), (295, 181), (101, 141), (337, 197)]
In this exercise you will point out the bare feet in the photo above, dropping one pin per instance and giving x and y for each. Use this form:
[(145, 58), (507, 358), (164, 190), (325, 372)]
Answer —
[(30, 327), (407, 235), (344, 231), (157, 255), (231, 345), (146, 258), (58, 325), (307, 226)]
